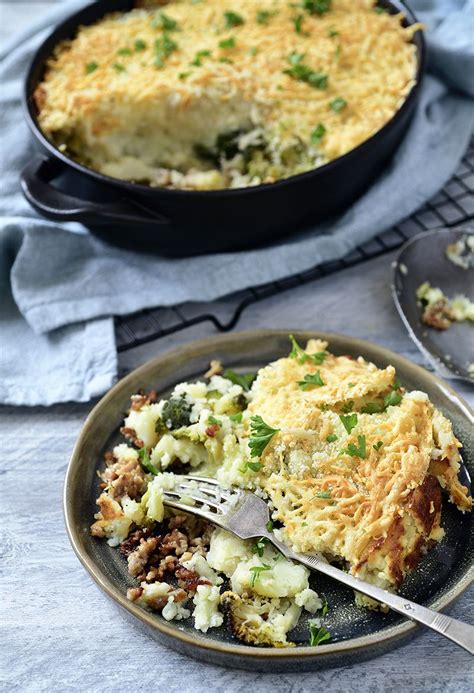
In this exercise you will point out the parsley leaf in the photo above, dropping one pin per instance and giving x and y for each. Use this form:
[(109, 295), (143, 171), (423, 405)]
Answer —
[(310, 380), (392, 399), (301, 356), (331, 438), (298, 23), (337, 104), (259, 546), (140, 44), (304, 73), (325, 607), (245, 380), (315, 6), (148, 466), (379, 10), (318, 635), (349, 422), (261, 435), (164, 46), (263, 16), (348, 406), (323, 494), (254, 466), (358, 450), (256, 570), (183, 75), (372, 408), (377, 445), (199, 56), (318, 133), (163, 21), (237, 418), (91, 67), (227, 43), (232, 19), (124, 51), (269, 526), (212, 420), (118, 67), (332, 33)]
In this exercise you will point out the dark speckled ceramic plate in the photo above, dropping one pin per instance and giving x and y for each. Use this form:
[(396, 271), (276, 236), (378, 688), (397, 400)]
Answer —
[(356, 633), (423, 259)]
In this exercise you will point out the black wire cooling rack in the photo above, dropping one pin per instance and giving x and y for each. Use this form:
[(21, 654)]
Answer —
[(451, 206)]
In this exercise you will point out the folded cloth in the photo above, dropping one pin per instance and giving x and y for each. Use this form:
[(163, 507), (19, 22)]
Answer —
[(61, 286)]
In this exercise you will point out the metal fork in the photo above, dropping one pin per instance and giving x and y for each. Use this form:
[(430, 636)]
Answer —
[(247, 516)]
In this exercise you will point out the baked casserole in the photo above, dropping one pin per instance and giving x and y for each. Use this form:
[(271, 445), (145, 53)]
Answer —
[(205, 94), (352, 465)]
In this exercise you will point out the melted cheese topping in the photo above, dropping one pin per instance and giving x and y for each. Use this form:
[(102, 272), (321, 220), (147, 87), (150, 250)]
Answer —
[(108, 101), (376, 509)]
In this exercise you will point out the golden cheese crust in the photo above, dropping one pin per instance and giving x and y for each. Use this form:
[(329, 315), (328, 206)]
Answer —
[(365, 485), (195, 70)]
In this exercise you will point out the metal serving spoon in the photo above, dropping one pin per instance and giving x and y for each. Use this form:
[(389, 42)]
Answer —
[(423, 259), (246, 515)]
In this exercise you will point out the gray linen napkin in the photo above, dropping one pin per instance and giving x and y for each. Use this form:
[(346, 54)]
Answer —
[(60, 285)]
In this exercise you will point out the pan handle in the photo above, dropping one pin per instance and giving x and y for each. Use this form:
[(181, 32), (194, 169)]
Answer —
[(60, 206)]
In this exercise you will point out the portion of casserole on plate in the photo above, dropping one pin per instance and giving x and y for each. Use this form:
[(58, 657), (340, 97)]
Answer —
[(351, 464), (206, 94)]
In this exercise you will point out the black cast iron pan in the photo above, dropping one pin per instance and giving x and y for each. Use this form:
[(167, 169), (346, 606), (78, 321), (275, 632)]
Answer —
[(185, 222)]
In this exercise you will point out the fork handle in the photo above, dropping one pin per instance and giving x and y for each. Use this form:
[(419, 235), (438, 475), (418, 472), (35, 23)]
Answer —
[(457, 631)]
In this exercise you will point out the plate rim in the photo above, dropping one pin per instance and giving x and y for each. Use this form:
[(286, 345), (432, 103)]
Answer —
[(205, 643)]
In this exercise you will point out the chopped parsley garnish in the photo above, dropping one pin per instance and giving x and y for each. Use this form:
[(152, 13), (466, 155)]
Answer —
[(124, 51), (377, 445), (358, 450), (331, 438), (318, 635), (337, 104), (91, 67), (314, 6), (318, 133), (227, 43), (232, 19), (392, 399), (348, 406), (245, 380), (372, 408), (259, 546), (118, 67), (146, 463), (304, 73), (263, 16), (253, 466), (269, 526), (332, 33), (226, 60), (323, 494), (183, 75), (351, 384), (164, 46), (349, 422), (301, 356), (139, 44), (379, 10), (298, 23), (256, 570), (212, 420), (325, 607), (237, 418), (311, 380), (165, 22), (260, 435), (197, 60)]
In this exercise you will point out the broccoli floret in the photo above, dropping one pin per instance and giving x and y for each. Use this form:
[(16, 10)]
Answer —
[(176, 413)]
